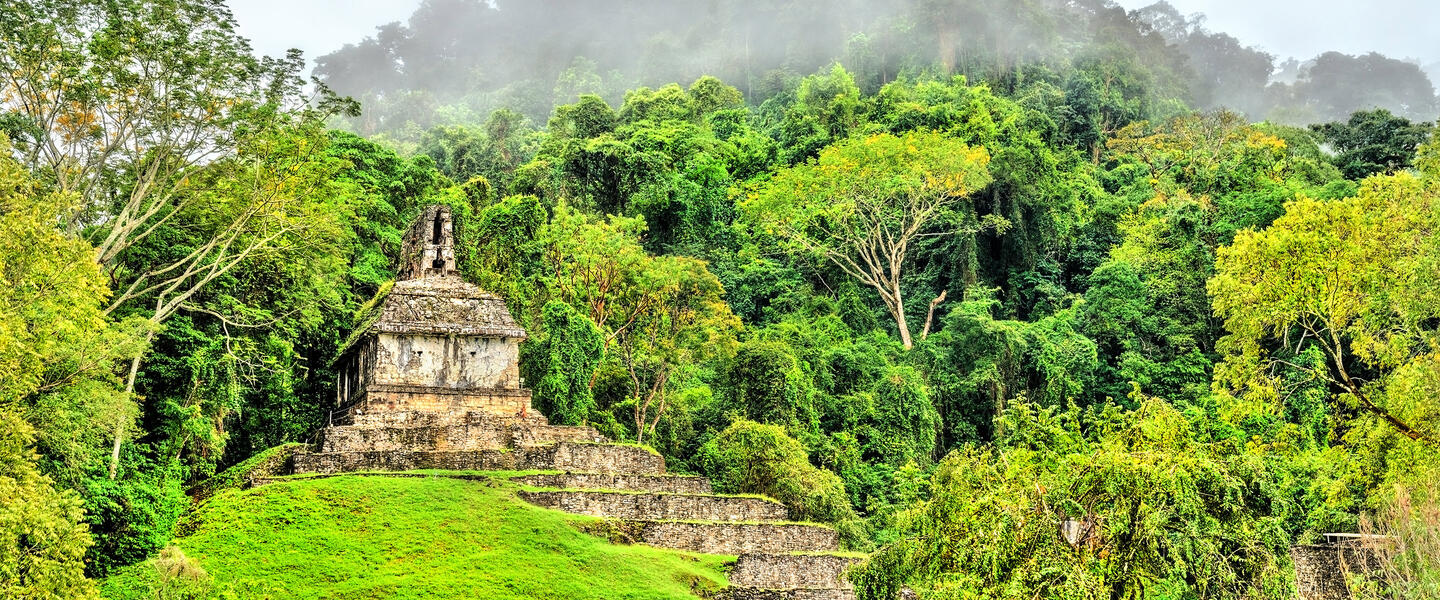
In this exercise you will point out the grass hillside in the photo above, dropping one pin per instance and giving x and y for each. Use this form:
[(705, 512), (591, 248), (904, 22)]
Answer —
[(385, 537)]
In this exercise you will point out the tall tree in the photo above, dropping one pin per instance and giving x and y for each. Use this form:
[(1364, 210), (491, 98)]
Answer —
[(661, 315), (154, 114), (563, 360), (1373, 141), (866, 201), (1352, 278)]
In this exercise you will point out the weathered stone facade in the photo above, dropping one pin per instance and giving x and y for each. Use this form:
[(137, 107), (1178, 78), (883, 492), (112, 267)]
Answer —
[(788, 571), (674, 484), (633, 505), (1320, 569), (737, 538), (563, 456), (436, 346)]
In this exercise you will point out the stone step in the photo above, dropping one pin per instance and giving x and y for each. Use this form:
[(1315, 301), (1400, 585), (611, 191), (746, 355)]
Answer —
[(564, 456), (480, 435), (657, 506), (746, 593), (791, 571), (402, 418), (734, 538), (675, 484)]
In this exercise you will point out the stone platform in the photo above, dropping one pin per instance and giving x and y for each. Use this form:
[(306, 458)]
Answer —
[(778, 560), (467, 434), (563, 456), (749, 593), (641, 505), (792, 571), (736, 538), (626, 484), (675, 484)]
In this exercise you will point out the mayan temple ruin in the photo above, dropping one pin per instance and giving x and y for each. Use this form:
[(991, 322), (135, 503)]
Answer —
[(430, 380)]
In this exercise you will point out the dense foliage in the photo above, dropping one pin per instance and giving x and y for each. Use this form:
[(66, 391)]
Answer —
[(1012, 315)]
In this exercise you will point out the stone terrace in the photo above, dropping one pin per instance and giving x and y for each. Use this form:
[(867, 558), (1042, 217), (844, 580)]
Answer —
[(623, 505), (778, 560)]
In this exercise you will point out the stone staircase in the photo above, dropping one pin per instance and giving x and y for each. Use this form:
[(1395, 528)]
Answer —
[(778, 560), (627, 485)]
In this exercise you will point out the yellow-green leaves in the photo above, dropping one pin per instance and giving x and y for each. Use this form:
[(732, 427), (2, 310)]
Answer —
[(1356, 278)]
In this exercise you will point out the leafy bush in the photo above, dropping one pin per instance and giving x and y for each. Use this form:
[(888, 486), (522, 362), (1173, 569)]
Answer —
[(42, 536), (753, 458), (133, 515), (562, 363), (273, 461), (1131, 505)]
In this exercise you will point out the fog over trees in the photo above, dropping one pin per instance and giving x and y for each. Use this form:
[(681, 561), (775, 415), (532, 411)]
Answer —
[(456, 59)]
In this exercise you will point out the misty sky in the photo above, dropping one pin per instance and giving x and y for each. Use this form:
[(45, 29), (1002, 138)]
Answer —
[(1285, 28)]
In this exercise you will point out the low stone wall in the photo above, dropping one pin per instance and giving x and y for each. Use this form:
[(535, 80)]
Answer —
[(559, 457), (604, 458), (468, 436), (451, 417), (259, 481), (250, 473), (775, 571), (381, 403), (1320, 570), (641, 506), (674, 484), (740, 593), (470, 460), (737, 538)]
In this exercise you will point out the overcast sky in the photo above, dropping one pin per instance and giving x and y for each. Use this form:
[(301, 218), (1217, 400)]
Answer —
[(1285, 28), (316, 26), (1304, 28)]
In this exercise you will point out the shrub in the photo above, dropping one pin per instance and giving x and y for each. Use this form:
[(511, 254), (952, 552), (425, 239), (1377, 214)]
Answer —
[(42, 537), (753, 458)]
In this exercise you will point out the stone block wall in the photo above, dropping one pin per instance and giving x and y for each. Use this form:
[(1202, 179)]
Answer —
[(348, 462), (624, 505), (560, 457), (743, 593), (446, 361), (1320, 569), (465, 436), (605, 458), (738, 538), (773, 571), (675, 484), (385, 403)]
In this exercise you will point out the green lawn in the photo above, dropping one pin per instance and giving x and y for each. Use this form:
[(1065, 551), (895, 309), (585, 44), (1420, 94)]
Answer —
[(384, 537)]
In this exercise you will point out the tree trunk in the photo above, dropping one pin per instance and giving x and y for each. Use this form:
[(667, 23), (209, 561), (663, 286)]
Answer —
[(930, 316), (129, 392), (639, 424), (1337, 356), (900, 323)]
